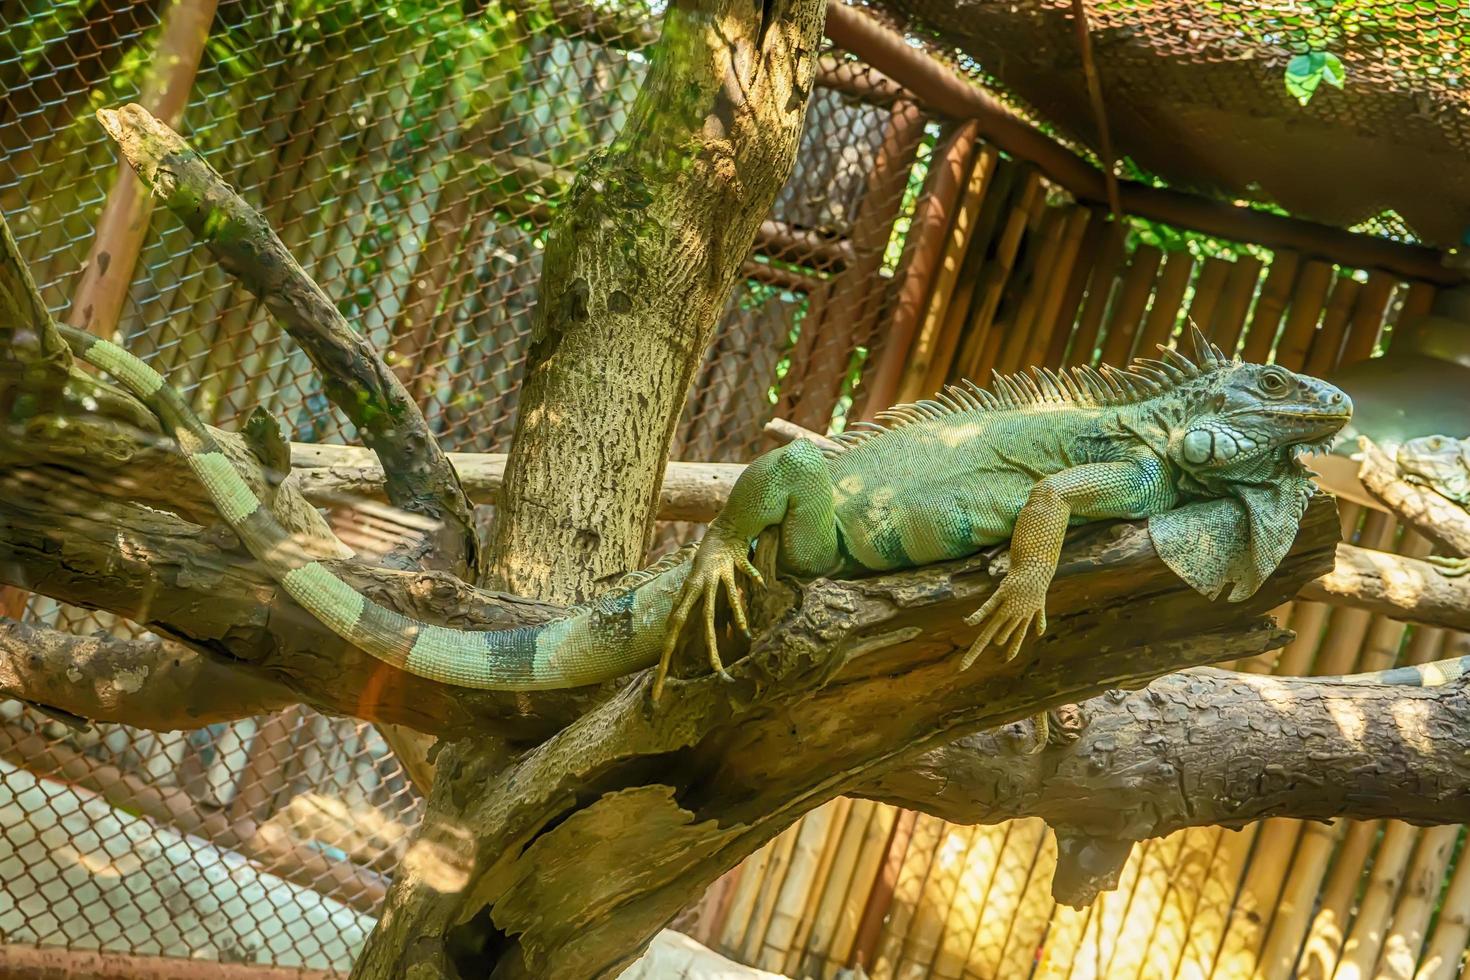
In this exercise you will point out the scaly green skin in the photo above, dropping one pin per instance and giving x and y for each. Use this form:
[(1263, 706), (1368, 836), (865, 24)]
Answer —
[(1207, 451), (1441, 463)]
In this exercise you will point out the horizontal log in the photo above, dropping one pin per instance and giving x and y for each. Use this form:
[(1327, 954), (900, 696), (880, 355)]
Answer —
[(1438, 518), (1149, 763), (19, 962), (1405, 589)]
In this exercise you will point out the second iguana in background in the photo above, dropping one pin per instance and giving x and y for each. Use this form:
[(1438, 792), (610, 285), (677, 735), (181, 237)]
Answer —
[(1206, 449)]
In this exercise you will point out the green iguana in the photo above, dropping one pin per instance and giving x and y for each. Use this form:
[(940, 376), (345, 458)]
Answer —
[(1442, 464), (1208, 450)]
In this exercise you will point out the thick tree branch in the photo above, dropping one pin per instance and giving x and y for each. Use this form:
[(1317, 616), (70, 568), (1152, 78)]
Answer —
[(1208, 747), (1437, 518), (146, 683), (419, 476), (1405, 589)]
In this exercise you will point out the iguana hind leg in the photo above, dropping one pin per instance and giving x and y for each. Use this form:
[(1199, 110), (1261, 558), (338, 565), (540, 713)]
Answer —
[(790, 487)]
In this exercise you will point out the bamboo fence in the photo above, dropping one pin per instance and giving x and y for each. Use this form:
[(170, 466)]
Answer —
[(1054, 283)]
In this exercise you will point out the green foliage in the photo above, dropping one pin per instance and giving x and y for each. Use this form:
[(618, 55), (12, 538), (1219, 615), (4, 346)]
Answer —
[(1306, 71)]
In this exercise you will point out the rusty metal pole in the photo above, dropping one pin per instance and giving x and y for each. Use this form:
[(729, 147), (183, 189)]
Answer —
[(123, 223), (855, 295), (922, 253)]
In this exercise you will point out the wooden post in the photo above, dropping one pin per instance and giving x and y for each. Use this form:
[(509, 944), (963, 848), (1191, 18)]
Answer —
[(1301, 322), (123, 223), (1128, 308), (1158, 326), (1099, 289)]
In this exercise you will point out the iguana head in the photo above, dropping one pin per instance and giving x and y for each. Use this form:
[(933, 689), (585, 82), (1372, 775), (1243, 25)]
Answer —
[(1438, 462), (1245, 418)]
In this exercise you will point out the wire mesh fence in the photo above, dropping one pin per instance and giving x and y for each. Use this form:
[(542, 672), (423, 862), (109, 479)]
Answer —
[(411, 156)]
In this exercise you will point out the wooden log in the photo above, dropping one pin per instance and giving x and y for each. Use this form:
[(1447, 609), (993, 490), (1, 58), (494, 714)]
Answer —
[(1163, 313), (21, 962), (1241, 284), (1128, 307), (1100, 288), (1271, 303)]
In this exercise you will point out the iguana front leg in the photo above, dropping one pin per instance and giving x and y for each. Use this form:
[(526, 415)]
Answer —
[(790, 487), (1128, 488)]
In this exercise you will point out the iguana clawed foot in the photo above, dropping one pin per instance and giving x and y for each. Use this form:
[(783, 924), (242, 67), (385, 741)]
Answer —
[(1450, 566), (714, 567), (1010, 612)]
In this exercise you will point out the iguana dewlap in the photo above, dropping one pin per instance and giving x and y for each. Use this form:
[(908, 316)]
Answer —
[(1207, 450)]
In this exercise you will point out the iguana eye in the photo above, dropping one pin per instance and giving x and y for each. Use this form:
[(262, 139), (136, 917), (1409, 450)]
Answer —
[(1273, 382)]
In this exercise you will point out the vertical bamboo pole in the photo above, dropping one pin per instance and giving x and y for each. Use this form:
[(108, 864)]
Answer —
[(957, 243), (1127, 310), (742, 901), (715, 908), (1062, 942), (1318, 957), (1209, 285), (1059, 279), (1307, 298), (1100, 289), (1365, 939), (828, 919), (1217, 894), (994, 208), (1099, 939), (1002, 902), (1260, 336), (1163, 313), (970, 901), (1036, 280), (922, 942), (922, 252), (1089, 253), (1421, 889), (842, 807), (770, 888), (1290, 918), (982, 330), (1366, 322), (1235, 302), (880, 899), (1327, 345), (906, 895), (1146, 905), (850, 316), (123, 223), (798, 883), (1451, 937), (1186, 881), (873, 853), (1037, 915)]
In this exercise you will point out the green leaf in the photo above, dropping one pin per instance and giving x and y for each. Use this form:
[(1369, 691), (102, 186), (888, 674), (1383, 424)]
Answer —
[(1307, 71), (1332, 71)]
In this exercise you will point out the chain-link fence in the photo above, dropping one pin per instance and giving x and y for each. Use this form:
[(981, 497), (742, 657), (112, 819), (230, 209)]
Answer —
[(411, 157)]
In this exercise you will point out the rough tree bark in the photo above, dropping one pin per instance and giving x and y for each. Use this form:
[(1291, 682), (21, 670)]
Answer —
[(562, 860)]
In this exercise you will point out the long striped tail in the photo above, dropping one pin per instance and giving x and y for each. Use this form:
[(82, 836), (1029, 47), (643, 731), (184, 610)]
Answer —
[(618, 633), (1415, 675)]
